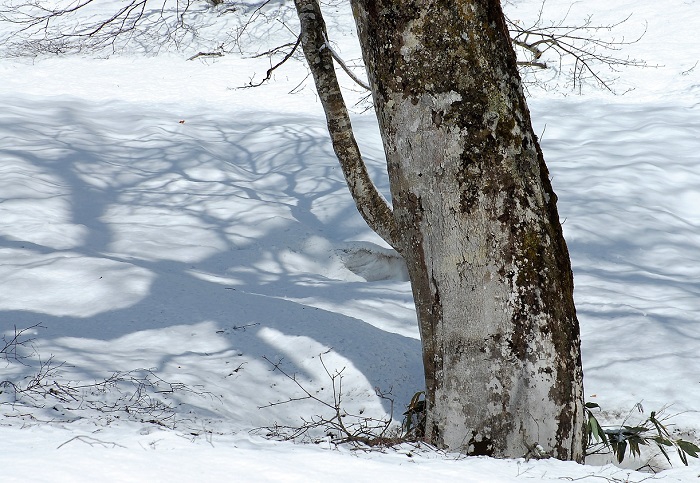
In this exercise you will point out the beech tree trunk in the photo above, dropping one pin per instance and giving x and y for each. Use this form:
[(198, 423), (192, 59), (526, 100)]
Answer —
[(475, 218)]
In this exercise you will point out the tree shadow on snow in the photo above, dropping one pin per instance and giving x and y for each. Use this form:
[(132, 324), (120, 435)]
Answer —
[(129, 227)]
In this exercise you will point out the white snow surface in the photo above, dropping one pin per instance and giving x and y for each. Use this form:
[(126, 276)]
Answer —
[(154, 217)]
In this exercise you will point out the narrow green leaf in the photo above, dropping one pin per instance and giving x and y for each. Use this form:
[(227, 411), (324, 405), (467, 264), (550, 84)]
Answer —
[(591, 405), (660, 428), (665, 454), (621, 447), (594, 427), (595, 430), (634, 430), (688, 447), (634, 448), (661, 440)]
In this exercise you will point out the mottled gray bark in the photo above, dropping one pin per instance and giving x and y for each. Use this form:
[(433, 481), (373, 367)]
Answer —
[(476, 221)]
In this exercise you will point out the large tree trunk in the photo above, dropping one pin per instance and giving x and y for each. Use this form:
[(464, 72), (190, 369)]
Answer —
[(475, 218)]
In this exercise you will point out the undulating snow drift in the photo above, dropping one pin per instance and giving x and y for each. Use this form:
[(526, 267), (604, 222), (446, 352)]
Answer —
[(159, 223)]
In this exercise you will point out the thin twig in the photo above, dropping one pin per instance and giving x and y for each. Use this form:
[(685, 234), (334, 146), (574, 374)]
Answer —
[(92, 442), (206, 54), (345, 68), (268, 74)]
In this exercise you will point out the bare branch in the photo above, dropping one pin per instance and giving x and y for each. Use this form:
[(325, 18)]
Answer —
[(370, 203), (206, 54), (342, 64), (138, 393), (92, 442), (582, 50), (276, 50), (10, 346), (51, 27), (582, 45), (268, 74), (337, 425)]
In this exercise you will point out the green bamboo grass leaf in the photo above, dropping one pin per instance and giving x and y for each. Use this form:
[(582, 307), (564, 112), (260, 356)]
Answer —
[(688, 447)]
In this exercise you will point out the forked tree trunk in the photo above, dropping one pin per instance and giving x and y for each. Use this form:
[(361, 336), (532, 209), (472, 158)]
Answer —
[(475, 218)]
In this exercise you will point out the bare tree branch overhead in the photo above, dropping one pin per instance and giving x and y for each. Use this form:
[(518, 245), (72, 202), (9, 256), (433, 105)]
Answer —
[(580, 52)]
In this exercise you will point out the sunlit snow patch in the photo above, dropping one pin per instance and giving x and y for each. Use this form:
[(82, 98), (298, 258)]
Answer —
[(68, 284)]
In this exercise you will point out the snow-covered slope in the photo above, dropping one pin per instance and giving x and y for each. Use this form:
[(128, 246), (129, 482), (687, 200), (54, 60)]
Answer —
[(153, 217)]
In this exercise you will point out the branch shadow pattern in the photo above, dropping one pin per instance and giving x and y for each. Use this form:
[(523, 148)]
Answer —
[(125, 228), (629, 188)]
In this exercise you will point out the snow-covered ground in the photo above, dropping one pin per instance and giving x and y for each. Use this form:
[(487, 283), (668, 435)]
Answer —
[(153, 217)]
